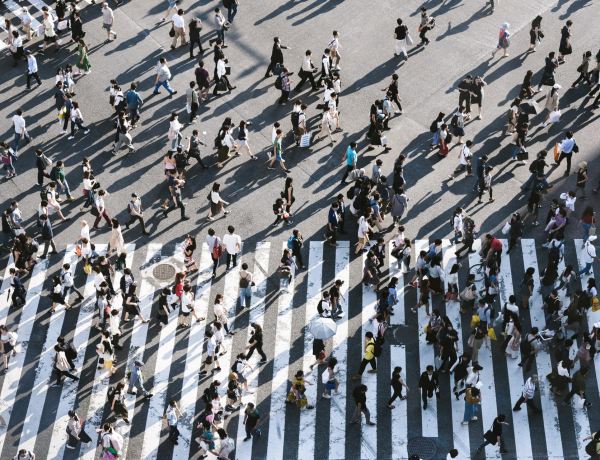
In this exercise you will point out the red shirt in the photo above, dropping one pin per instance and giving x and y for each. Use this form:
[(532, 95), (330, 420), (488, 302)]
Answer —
[(496, 245), (178, 289)]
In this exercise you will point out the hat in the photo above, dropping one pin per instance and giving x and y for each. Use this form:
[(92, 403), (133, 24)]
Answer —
[(592, 238), (138, 363), (105, 4), (134, 195), (505, 26), (583, 164), (557, 86)]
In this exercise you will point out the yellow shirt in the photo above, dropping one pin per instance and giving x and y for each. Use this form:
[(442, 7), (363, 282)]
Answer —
[(370, 349)]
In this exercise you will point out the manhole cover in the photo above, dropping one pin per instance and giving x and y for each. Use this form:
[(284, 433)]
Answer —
[(425, 448), (164, 272)]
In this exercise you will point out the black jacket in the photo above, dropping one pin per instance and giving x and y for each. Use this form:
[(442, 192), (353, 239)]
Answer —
[(76, 29), (47, 234), (426, 384), (277, 54)]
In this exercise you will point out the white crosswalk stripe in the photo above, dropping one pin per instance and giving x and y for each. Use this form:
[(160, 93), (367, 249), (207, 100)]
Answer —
[(501, 376)]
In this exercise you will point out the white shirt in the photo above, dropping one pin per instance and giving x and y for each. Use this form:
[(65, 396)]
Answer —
[(66, 278), (326, 64), (171, 415), (569, 202), (211, 345), (215, 197), (301, 118), (512, 307), (589, 252), (19, 123), (220, 68), (218, 335), (33, 68), (363, 227), (230, 242), (98, 280), (228, 140), (114, 324), (458, 222), (186, 303), (327, 94), (87, 184), (178, 21), (26, 19), (306, 65), (175, 125), (465, 154), (100, 204), (274, 135), (17, 42), (219, 311), (86, 251)]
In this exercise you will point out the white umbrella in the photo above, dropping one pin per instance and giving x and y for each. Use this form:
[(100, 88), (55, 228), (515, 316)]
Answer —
[(323, 328)]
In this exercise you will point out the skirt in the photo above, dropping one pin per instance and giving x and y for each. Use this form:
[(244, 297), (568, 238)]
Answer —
[(215, 207), (434, 284), (189, 261), (564, 50), (8, 348), (459, 131), (223, 153)]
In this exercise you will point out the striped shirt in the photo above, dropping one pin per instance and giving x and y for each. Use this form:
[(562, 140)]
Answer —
[(528, 389)]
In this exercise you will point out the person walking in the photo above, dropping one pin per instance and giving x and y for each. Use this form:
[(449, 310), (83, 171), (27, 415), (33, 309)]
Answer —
[(472, 398), (172, 415), (32, 69), (136, 211), (177, 200), (216, 202), (49, 34), (428, 384), (277, 156), (285, 86), (47, 236), (551, 103), (134, 102), (465, 160), (527, 395), (195, 27), (178, 26), (397, 383), (306, 73), (203, 80), (163, 75), (193, 101), (464, 95), (424, 27), (123, 128), (369, 358), (220, 27), (20, 132), (251, 421), (193, 148), (503, 40), (494, 435), (57, 173), (566, 148), (174, 133), (83, 63), (101, 210), (61, 367), (222, 80), (276, 56), (578, 387), (136, 379), (233, 244), (565, 48), (108, 19), (76, 119), (350, 157), (76, 432), (256, 343), (589, 255), (400, 34), (360, 398), (26, 23)]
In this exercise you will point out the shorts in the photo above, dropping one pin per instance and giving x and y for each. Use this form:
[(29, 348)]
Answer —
[(50, 39), (297, 131), (361, 241), (172, 3), (106, 26), (185, 314), (181, 171), (532, 212), (241, 379), (208, 361), (243, 142), (278, 156), (203, 84), (330, 385), (232, 395)]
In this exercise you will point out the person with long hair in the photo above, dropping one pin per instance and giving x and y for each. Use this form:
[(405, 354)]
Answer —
[(588, 219), (117, 243), (175, 129), (189, 246), (132, 304), (195, 27), (61, 366), (106, 352), (76, 119), (333, 383), (76, 431), (216, 202), (551, 103), (83, 63), (57, 294), (534, 33), (243, 139), (118, 404), (288, 193), (423, 296), (9, 341), (256, 343)]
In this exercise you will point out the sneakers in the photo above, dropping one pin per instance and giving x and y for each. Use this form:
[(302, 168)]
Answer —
[(262, 362), (327, 396), (63, 132), (71, 137)]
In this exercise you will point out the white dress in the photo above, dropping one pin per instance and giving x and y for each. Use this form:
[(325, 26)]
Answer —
[(116, 241)]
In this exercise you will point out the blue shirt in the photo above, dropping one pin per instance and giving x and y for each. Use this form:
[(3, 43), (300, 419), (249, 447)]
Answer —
[(333, 218), (350, 156), (387, 105), (133, 99), (567, 145)]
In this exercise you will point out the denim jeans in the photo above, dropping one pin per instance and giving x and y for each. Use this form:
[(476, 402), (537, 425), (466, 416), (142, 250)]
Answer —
[(6, 237), (517, 151), (177, 141), (221, 35), (250, 431), (232, 11), (456, 237), (166, 85), (546, 290), (18, 137), (585, 270), (181, 207), (245, 293), (67, 190), (586, 231)]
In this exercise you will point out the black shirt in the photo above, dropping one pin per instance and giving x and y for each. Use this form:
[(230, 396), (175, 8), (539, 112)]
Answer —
[(162, 302), (41, 165), (373, 112), (6, 226), (360, 397), (400, 32), (334, 292), (497, 428), (258, 338), (540, 164), (464, 85), (550, 65), (533, 199)]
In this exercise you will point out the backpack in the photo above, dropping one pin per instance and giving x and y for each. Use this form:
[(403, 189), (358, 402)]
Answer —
[(377, 349), (295, 118), (234, 366), (554, 253), (350, 193), (44, 193), (320, 307), (454, 121), (591, 448), (533, 166), (433, 128), (276, 208), (205, 399), (16, 457), (278, 83), (526, 347), (111, 394), (290, 243)]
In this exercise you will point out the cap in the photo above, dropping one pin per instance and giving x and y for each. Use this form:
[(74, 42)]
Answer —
[(134, 195), (592, 238), (557, 86), (138, 363), (505, 26), (27, 52)]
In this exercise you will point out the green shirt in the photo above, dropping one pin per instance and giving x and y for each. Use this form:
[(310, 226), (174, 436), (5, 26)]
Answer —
[(59, 175), (277, 145)]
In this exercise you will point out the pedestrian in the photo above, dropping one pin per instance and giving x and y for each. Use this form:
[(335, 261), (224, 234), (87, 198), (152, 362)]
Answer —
[(465, 160), (24, 454), (193, 101), (76, 119), (464, 95), (195, 27), (565, 48), (527, 395), (61, 367), (20, 132), (285, 86), (32, 69), (216, 202), (587, 220), (424, 27), (477, 93), (171, 416), (76, 431), (212, 356), (107, 21), (100, 208), (423, 295), (397, 383), (251, 421), (136, 211), (16, 48), (163, 75), (535, 34), (26, 23), (276, 57), (369, 358), (9, 342), (178, 27), (49, 34), (220, 27), (246, 284), (551, 103), (177, 200), (472, 398), (221, 80), (494, 435), (566, 149), (256, 343), (136, 379), (428, 384), (400, 34), (189, 246), (458, 123), (485, 183), (77, 32), (503, 40), (47, 236), (584, 70), (66, 279), (232, 6), (134, 102), (278, 153), (360, 399), (589, 255), (233, 244), (306, 72), (83, 63), (57, 294)]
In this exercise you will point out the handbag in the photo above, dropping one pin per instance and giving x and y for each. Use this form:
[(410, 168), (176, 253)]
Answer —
[(409, 40), (221, 85), (506, 228), (217, 250), (172, 32), (62, 25), (592, 231), (438, 362), (470, 342), (467, 293), (595, 304), (556, 151), (475, 321), (87, 268), (227, 70), (95, 211), (579, 401), (305, 140), (491, 334), (171, 134), (78, 250), (554, 116), (253, 287)]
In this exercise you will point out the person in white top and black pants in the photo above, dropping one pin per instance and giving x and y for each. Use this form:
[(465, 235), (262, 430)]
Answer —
[(306, 73), (222, 76)]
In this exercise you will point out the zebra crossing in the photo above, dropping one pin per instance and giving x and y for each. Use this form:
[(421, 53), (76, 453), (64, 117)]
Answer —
[(36, 414)]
